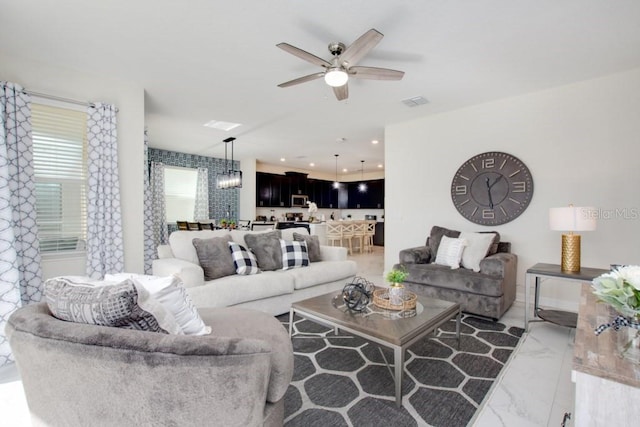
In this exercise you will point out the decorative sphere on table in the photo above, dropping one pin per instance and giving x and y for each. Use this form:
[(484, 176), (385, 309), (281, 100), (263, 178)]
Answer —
[(357, 294)]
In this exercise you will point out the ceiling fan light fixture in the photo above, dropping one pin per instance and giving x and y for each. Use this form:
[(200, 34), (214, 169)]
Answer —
[(336, 77)]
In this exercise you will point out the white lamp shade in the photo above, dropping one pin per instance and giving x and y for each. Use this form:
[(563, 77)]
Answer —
[(336, 77), (572, 218)]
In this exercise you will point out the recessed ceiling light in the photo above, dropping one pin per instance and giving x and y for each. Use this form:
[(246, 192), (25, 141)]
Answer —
[(345, 170), (380, 165), (218, 124), (282, 159), (375, 141), (312, 164)]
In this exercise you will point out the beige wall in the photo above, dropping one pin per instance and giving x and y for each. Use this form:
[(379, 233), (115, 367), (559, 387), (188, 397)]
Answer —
[(581, 143), (129, 98)]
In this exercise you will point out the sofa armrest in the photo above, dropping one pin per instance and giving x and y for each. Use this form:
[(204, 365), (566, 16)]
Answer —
[(191, 274), (333, 253), (417, 255), (164, 251), (501, 265)]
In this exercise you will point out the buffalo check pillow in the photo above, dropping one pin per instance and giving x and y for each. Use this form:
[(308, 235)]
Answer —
[(245, 261), (294, 254)]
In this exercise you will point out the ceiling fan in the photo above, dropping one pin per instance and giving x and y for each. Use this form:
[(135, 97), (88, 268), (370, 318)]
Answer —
[(337, 71)]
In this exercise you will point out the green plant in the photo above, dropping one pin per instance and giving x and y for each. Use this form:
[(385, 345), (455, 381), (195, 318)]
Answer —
[(621, 290), (223, 222), (397, 275)]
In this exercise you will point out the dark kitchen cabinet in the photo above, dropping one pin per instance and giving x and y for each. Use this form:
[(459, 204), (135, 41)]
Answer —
[(372, 198), (272, 190), (298, 183)]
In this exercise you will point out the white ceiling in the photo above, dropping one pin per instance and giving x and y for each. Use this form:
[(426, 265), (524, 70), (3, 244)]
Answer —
[(200, 60)]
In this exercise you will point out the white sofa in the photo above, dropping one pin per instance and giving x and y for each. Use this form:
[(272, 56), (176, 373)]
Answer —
[(269, 291)]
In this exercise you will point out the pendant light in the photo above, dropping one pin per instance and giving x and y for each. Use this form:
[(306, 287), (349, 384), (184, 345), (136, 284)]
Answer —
[(230, 178), (362, 187), (336, 184)]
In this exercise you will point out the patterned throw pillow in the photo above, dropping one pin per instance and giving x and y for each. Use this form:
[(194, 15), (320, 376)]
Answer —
[(450, 252), (118, 305), (245, 262), (170, 292), (294, 254)]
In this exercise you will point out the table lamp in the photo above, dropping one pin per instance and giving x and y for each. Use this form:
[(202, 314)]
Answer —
[(571, 218)]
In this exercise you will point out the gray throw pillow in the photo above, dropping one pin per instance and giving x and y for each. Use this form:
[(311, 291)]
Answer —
[(436, 235), (313, 245), (266, 248), (214, 256), (97, 303)]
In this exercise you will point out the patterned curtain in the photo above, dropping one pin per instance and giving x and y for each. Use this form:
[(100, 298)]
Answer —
[(149, 242), (20, 271), (105, 253), (201, 210), (159, 207)]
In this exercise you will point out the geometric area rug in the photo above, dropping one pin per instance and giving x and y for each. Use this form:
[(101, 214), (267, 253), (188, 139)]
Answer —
[(343, 380)]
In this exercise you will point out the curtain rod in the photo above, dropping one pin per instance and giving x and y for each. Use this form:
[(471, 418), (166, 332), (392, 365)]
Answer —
[(59, 98)]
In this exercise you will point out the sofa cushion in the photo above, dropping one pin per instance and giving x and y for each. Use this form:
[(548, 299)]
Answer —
[(313, 245), (436, 235), (294, 254), (450, 251), (322, 272), (266, 248), (244, 261), (238, 235), (236, 289), (477, 248), (461, 279), (287, 233), (120, 305), (181, 242), (214, 257), (170, 292)]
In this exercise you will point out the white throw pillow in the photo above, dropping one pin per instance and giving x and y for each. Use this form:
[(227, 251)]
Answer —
[(478, 245), (450, 251), (170, 292)]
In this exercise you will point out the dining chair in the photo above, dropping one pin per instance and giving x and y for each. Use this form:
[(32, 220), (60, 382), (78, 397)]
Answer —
[(334, 233), (182, 225), (193, 226), (205, 226)]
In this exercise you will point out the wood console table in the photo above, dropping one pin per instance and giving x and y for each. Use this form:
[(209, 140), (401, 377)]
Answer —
[(607, 386), (554, 271)]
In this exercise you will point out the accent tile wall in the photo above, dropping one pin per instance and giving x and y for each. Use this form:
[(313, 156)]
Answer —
[(222, 203)]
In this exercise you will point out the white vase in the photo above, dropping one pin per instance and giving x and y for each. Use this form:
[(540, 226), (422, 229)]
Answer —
[(629, 344), (396, 294)]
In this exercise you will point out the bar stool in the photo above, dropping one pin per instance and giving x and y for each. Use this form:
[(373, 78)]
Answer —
[(369, 233), (359, 233), (334, 233), (348, 233)]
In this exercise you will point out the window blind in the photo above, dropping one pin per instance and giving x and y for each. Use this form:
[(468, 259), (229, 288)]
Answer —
[(59, 158)]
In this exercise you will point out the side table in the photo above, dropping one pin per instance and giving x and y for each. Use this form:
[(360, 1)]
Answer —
[(554, 271)]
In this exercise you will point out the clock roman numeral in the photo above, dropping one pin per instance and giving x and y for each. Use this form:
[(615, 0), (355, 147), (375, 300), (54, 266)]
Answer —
[(519, 187)]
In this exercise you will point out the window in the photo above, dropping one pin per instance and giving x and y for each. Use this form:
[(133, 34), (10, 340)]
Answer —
[(180, 193), (59, 158)]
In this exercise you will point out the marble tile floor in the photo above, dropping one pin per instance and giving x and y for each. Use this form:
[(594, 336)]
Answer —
[(535, 388)]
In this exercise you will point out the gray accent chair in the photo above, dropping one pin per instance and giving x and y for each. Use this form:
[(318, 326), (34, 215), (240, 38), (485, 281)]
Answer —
[(84, 375), (488, 293)]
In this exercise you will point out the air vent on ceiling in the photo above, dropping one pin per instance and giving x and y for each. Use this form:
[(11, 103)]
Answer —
[(415, 101)]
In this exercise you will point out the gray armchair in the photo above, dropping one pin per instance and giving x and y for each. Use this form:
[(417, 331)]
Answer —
[(489, 292), (77, 374)]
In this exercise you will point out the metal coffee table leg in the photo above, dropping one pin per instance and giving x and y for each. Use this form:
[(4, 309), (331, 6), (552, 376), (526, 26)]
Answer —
[(399, 371)]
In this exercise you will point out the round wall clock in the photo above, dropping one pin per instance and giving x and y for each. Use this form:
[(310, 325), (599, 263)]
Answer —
[(492, 188)]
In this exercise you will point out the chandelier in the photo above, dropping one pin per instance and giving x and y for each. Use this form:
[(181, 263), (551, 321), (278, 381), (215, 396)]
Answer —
[(231, 178)]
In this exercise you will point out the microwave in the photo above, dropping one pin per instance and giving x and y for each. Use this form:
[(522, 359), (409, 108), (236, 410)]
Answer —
[(299, 200)]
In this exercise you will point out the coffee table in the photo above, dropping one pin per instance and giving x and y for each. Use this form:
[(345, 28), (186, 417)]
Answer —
[(384, 327)]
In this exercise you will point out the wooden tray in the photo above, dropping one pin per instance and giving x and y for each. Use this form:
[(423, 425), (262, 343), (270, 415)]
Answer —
[(381, 299)]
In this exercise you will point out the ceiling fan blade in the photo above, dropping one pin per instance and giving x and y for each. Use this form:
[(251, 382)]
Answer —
[(341, 92), (360, 47), (302, 79), (303, 54), (375, 73)]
